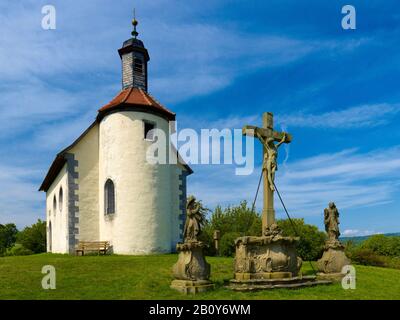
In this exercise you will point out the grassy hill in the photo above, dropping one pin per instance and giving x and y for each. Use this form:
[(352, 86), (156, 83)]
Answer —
[(148, 277), (360, 239)]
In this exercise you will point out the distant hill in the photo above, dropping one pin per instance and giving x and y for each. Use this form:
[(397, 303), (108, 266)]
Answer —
[(362, 238)]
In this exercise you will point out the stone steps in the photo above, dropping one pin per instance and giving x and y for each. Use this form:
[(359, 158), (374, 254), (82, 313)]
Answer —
[(267, 284)]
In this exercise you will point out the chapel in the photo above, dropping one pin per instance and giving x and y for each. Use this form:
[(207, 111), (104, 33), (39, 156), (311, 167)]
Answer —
[(102, 188)]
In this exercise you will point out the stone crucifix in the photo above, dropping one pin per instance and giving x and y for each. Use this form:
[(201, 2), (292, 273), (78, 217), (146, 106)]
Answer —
[(268, 136)]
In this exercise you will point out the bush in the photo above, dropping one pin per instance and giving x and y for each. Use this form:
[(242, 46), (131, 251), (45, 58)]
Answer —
[(235, 221), (206, 236), (311, 244), (367, 257), (393, 262), (383, 245), (18, 250), (34, 237), (227, 244), (239, 221), (8, 236)]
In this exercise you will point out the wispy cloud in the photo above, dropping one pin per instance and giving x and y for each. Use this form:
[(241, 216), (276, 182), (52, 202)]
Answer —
[(349, 178), (354, 117), (358, 233), (21, 203)]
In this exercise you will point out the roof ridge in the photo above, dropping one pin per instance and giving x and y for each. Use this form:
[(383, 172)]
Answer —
[(158, 103), (145, 97), (127, 95)]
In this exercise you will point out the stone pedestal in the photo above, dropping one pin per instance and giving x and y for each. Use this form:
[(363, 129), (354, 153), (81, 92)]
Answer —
[(268, 262), (332, 261), (192, 271), (192, 287), (266, 257)]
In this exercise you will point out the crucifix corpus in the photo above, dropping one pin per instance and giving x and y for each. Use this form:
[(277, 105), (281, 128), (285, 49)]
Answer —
[(268, 136)]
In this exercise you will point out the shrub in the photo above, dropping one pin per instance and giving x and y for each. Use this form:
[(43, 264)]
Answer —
[(206, 236), (232, 222), (34, 237), (227, 244), (312, 240), (18, 250), (383, 245), (367, 257), (239, 219)]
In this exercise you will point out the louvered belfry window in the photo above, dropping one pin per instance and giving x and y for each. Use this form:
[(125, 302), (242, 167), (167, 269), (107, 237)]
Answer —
[(138, 66), (109, 197)]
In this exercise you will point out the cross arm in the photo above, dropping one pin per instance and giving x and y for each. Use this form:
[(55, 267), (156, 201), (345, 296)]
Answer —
[(278, 136)]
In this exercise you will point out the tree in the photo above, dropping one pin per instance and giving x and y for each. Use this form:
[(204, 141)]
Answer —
[(311, 241), (227, 244), (232, 222), (383, 245), (34, 237), (8, 236)]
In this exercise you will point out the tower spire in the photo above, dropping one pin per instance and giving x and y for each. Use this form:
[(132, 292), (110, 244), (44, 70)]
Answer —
[(134, 23), (134, 58)]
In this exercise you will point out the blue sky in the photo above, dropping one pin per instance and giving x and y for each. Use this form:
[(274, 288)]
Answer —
[(217, 64)]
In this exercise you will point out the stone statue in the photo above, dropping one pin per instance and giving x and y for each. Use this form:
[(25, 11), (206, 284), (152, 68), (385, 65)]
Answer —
[(331, 220), (270, 260), (195, 217), (334, 258), (192, 272), (270, 157)]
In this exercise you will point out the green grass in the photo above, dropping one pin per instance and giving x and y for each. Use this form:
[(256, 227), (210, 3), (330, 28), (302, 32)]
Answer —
[(149, 277)]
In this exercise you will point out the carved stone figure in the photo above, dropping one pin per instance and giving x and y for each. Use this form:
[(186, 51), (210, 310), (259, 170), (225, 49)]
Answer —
[(192, 271), (331, 220), (271, 260), (194, 219), (334, 258), (270, 157)]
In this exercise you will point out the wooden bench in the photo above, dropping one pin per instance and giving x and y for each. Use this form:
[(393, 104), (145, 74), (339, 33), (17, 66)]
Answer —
[(100, 246)]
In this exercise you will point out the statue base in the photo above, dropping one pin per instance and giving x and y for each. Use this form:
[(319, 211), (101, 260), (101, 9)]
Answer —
[(192, 287), (334, 277), (333, 259), (267, 284), (192, 271), (269, 262)]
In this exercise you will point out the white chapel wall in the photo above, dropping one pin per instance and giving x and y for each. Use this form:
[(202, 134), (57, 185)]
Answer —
[(57, 239), (86, 152), (142, 221)]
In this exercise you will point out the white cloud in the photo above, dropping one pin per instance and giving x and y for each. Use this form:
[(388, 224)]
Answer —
[(41, 71), (358, 233), (350, 179), (20, 201), (354, 117)]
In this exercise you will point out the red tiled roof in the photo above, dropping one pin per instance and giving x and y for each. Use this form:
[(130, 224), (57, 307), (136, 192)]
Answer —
[(135, 97)]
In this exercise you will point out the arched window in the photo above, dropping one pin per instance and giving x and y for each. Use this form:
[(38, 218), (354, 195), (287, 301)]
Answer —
[(138, 65), (60, 199), (109, 197), (54, 204)]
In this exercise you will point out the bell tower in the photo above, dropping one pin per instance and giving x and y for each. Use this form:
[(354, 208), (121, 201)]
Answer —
[(134, 58)]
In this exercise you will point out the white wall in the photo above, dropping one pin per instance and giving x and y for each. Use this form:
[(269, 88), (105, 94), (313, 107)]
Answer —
[(142, 222), (86, 152), (58, 243)]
